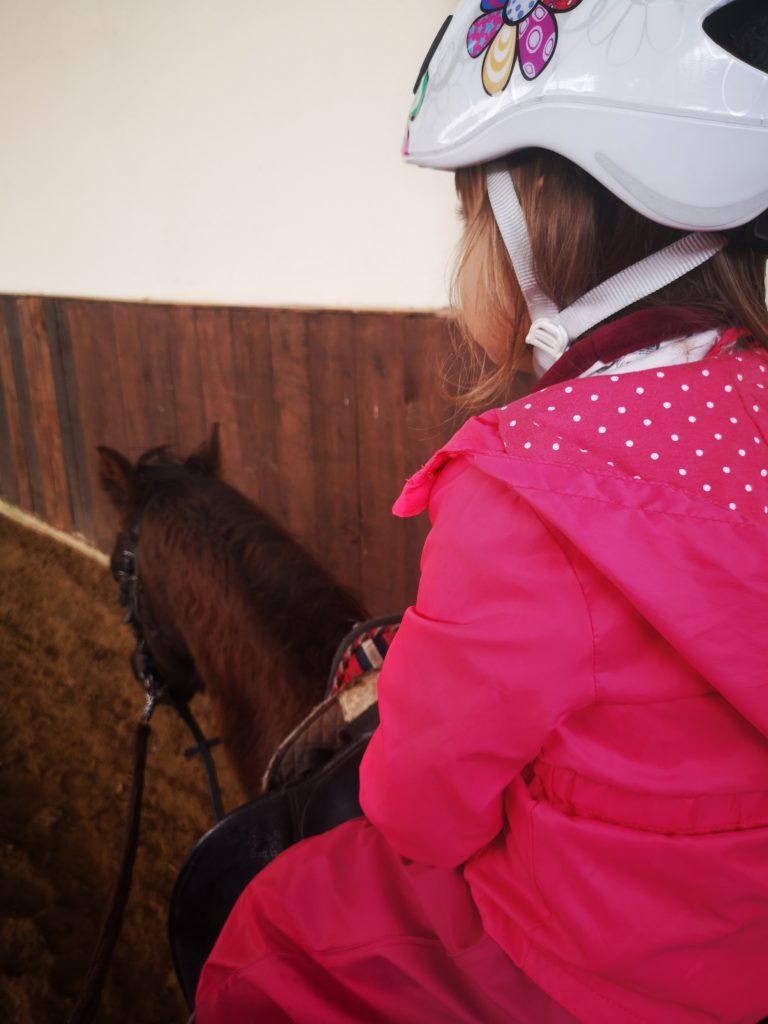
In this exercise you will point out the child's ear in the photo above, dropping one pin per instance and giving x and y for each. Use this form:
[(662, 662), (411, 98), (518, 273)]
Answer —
[(206, 460), (116, 477)]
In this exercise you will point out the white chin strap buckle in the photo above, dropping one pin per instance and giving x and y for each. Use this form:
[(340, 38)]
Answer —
[(549, 338), (552, 329)]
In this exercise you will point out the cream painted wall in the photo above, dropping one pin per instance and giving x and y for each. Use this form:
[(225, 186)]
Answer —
[(224, 151)]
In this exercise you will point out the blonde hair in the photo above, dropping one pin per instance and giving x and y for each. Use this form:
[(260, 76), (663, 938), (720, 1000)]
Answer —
[(581, 235)]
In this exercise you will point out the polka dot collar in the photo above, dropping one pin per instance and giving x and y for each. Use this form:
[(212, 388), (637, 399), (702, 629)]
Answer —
[(701, 427)]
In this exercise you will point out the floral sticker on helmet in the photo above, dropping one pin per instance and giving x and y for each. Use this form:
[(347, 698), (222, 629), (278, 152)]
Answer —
[(511, 29)]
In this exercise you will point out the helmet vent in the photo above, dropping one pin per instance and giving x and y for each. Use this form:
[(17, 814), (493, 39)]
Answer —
[(431, 52), (741, 29)]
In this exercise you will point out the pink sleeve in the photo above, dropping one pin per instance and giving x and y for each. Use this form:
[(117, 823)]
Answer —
[(497, 650)]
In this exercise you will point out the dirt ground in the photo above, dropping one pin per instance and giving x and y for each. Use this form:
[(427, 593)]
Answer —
[(70, 707)]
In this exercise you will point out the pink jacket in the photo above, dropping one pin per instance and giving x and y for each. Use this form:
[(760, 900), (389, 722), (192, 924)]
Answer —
[(576, 708)]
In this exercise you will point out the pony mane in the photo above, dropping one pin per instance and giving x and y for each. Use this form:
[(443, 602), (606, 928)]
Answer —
[(161, 455), (245, 551)]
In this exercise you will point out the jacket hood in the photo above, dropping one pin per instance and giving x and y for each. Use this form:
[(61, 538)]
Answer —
[(641, 473)]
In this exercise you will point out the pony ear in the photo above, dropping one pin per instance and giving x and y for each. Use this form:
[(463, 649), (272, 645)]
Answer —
[(206, 460), (116, 477)]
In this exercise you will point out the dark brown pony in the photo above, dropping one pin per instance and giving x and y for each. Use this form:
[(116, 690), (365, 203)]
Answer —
[(229, 600)]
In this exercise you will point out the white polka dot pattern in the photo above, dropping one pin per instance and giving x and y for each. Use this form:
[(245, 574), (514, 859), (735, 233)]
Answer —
[(703, 429)]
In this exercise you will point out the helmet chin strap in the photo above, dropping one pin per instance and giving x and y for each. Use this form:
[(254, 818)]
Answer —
[(552, 329)]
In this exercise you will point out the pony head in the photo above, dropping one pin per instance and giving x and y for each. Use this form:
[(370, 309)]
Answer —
[(122, 481), (131, 487)]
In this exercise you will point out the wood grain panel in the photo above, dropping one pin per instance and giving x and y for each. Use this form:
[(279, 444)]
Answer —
[(24, 409), (186, 376), (14, 482), (100, 406), (66, 430), (45, 425), (220, 384), (295, 443), (382, 457), (254, 404), (323, 416), (333, 413), (142, 345), (71, 418), (9, 489)]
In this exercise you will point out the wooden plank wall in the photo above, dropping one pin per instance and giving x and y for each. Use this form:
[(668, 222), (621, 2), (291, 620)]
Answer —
[(323, 416)]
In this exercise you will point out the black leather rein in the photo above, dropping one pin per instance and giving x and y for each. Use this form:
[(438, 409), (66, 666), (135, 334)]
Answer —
[(125, 572)]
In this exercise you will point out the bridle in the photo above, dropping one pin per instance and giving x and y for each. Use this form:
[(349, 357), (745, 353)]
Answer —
[(156, 691), (127, 578)]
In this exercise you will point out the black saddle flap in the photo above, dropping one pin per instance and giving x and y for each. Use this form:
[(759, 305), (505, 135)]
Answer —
[(228, 856)]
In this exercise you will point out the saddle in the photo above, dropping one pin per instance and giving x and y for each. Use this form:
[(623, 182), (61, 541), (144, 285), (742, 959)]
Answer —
[(311, 786)]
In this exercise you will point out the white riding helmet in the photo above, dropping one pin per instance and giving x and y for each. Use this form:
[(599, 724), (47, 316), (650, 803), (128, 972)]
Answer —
[(664, 102), (642, 94)]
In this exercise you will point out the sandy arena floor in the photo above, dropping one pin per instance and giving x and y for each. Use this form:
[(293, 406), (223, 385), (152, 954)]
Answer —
[(70, 710)]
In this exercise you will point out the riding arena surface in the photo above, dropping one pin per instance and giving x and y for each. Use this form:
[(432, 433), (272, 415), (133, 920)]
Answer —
[(70, 708)]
